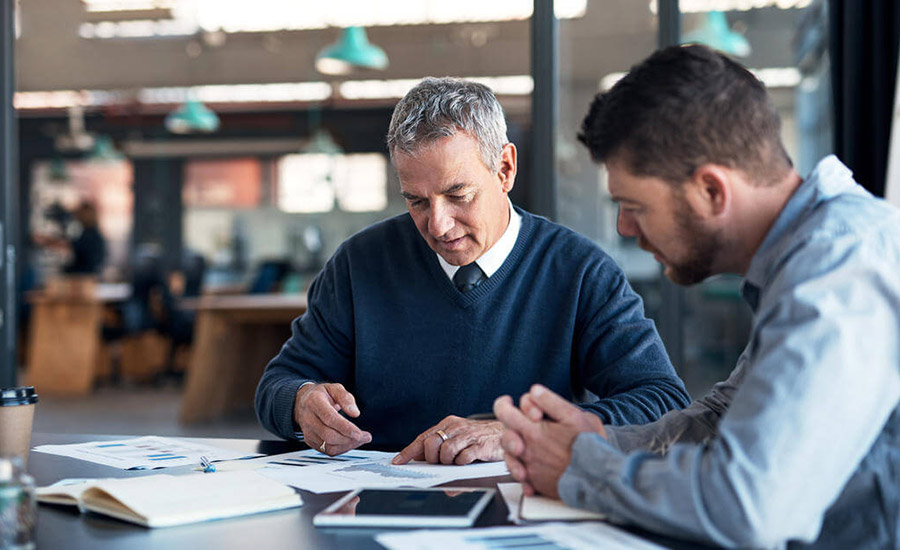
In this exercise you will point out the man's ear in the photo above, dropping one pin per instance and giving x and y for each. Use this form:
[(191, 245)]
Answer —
[(507, 172), (711, 190)]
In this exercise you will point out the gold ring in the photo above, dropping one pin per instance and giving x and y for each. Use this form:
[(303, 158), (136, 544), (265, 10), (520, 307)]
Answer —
[(322, 448), (444, 437)]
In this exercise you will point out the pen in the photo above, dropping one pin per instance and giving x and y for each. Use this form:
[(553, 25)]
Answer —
[(207, 466)]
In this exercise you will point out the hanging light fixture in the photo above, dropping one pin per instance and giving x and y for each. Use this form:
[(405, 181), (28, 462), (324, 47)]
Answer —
[(321, 142), (192, 117), (715, 33), (352, 49), (104, 150)]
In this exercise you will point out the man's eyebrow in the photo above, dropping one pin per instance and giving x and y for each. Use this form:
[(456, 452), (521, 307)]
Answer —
[(454, 188), (618, 199)]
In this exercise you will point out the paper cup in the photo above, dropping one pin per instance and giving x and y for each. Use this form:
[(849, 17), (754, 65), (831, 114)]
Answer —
[(16, 417)]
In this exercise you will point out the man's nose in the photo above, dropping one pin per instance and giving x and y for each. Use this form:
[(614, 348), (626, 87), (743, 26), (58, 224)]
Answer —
[(626, 226), (440, 220)]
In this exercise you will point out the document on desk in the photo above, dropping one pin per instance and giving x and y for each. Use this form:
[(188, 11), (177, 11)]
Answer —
[(525, 509), (549, 536), (143, 453), (313, 471)]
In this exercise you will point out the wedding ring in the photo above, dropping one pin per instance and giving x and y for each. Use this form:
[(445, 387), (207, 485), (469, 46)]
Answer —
[(322, 448), (444, 437)]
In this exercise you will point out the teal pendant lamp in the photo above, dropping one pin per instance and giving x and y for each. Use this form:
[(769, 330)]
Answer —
[(353, 49), (321, 142), (104, 150), (192, 117), (715, 33)]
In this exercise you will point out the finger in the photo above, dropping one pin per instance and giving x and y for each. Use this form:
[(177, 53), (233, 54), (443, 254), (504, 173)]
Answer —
[(511, 417), (331, 418), (552, 404), (431, 444), (317, 433), (452, 447), (512, 443), (468, 455), (488, 451), (343, 398), (529, 409), (334, 450), (528, 489), (516, 468), (413, 451)]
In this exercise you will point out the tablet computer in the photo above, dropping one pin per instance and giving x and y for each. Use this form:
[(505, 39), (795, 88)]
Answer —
[(398, 507)]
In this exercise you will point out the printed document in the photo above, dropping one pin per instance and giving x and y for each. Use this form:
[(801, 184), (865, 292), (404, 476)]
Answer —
[(549, 536), (313, 471), (143, 453)]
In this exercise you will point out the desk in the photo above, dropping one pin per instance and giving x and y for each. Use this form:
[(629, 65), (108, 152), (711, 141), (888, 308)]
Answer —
[(64, 341), (235, 337), (64, 527)]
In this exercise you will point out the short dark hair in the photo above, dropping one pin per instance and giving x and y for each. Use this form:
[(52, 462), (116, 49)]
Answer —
[(685, 106)]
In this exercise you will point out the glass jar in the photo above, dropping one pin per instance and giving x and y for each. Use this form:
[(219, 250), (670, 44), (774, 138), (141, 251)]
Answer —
[(18, 513)]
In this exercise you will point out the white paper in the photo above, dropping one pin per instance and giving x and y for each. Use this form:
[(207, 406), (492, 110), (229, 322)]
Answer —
[(537, 508), (313, 471), (512, 497), (142, 453), (549, 536)]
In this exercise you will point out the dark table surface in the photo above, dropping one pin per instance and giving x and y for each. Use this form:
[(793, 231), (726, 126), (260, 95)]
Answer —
[(61, 527)]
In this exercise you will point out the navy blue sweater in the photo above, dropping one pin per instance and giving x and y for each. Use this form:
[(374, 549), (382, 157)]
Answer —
[(386, 322)]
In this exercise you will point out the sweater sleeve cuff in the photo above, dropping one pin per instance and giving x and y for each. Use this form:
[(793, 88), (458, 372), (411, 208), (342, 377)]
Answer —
[(283, 405), (583, 484)]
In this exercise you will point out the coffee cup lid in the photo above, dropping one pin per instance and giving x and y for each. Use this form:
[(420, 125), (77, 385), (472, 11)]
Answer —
[(23, 395)]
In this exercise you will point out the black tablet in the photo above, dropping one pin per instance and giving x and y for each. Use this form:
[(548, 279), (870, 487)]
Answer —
[(445, 507)]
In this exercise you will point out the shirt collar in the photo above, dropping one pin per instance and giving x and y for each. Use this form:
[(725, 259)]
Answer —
[(490, 261), (829, 178)]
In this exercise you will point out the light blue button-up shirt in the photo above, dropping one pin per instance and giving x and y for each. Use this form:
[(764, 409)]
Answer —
[(801, 445)]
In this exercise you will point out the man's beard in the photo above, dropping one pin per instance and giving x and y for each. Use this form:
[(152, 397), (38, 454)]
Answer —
[(703, 247)]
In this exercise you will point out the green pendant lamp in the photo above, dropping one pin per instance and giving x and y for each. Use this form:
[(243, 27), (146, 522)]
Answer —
[(192, 117), (715, 33), (353, 49), (104, 150)]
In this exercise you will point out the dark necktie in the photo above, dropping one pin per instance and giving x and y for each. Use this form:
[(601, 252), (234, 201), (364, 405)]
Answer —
[(468, 277)]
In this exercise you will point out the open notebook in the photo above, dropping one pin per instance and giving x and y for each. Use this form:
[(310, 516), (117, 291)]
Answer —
[(165, 500)]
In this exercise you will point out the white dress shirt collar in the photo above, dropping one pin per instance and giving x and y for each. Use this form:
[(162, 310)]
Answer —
[(490, 261)]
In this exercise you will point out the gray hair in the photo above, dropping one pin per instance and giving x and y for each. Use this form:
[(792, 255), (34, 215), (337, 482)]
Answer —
[(440, 107)]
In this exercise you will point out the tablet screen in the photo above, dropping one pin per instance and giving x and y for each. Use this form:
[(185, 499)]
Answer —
[(407, 507)]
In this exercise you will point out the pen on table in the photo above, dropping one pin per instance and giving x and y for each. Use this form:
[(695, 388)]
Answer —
[(207, 466)]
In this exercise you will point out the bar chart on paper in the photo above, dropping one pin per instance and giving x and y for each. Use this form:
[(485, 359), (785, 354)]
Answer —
[(313, 471), (552, 536), (142, 453)]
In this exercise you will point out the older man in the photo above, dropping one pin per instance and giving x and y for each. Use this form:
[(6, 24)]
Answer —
[(422, 320), (801, 445)]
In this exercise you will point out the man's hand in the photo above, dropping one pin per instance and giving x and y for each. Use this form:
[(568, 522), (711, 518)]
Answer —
[(316, 412), (467, 441), (539, 451)]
